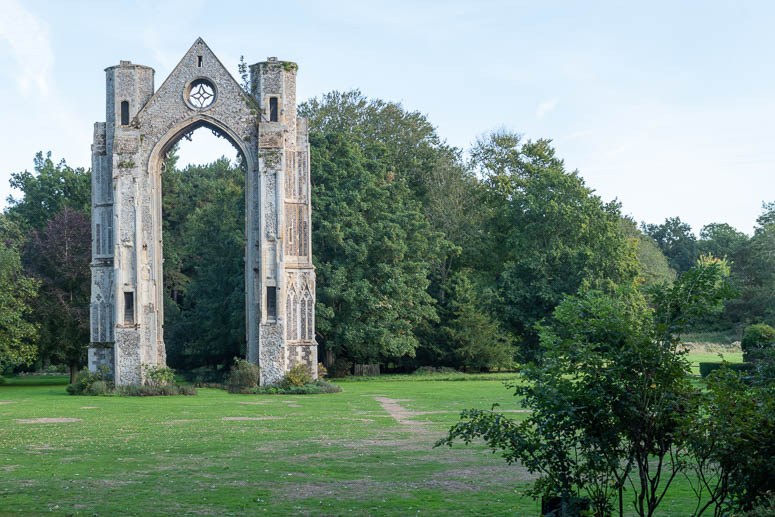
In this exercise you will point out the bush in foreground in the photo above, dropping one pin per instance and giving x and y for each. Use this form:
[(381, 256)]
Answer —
[(243, 377), (160, 382), (313, 388), (756, 339)]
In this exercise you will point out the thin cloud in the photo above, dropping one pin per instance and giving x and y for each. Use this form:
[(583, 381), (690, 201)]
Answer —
[(29, 41), (546, 107)]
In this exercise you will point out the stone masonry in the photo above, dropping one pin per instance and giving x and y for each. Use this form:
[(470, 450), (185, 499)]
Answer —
[(129, 148)]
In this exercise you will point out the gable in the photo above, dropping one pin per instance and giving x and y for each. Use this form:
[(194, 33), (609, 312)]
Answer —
[(198, 88)]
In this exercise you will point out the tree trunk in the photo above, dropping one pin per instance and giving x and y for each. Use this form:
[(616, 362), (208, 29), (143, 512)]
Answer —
[(73, 372)]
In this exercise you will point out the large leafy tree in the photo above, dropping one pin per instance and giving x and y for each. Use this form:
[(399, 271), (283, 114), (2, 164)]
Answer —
[(677, 242), (58, 257), (372, 249), (47, 190), (652, 264), (547, 233), (50, 224), (409, 146), (17, 292), (754, 271), (204, 245), (611, 398), (720, 240)]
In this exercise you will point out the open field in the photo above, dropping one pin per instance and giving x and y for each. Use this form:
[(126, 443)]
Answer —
[(365, 451)]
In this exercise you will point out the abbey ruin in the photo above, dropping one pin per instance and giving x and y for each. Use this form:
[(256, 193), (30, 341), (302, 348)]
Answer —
[(140, 128)]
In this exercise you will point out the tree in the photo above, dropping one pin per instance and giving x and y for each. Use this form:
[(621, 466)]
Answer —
[(58, 256), (610, 397), (653, 265), (676, 240), (756, 340), (373, 250), (473, 339), (720, 240), (408, 146), (754, 273), (547, 233), (17, 332), (47, 190), (204, 278)]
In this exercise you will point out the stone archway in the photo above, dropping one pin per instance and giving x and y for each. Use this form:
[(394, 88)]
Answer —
[(129, 147)]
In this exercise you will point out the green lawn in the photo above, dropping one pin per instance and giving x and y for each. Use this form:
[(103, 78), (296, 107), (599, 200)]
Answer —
[(365, 451), (731, 356)]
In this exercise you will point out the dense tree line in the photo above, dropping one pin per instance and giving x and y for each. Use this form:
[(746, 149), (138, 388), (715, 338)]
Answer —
[(424, 256)]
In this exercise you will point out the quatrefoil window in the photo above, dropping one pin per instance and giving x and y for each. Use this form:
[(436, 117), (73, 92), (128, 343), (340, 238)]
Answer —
[(201, 93)]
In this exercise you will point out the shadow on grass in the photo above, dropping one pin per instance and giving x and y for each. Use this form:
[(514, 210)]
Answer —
[(36, 380)]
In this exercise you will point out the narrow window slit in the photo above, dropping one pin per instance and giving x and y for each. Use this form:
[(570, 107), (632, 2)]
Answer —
[(199, 61), (124, 113), (129, 308), (271, 302), (273, 114)]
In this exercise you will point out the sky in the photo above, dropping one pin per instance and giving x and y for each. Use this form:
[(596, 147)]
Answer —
[(668, 107)]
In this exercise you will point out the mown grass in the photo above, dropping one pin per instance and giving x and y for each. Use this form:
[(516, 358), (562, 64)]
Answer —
[(222, 454)]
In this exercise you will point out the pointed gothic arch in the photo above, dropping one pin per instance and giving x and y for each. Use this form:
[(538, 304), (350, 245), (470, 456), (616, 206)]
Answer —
[(129, 148)]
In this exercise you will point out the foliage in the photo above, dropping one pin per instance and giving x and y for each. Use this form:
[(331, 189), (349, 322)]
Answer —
[(204, 278), (407, 144), (372, 248), (242, 377), (652, 263), (92, 383), (720, 240), (17, 292), (58, 256), (609, 397), (298, 375), (548, 234), (157, 376), (676, 240), (47, 191), (756, 338), (431, 370), (158, 390), (316, 387), (473, 338), (733, 443), (754, 273), (707, 368)]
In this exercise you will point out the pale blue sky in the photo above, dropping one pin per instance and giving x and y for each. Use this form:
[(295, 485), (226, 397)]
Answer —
[(667, 106)]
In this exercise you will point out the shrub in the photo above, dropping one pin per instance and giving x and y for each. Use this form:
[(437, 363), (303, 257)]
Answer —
[(158, 375), (313, 388), (425, 370), (707, 368), (2, 380), (756, 338), (298, 375), (92, 383), (205, 375), (322, 371), (243, 377), (341, 368), (166, 390)]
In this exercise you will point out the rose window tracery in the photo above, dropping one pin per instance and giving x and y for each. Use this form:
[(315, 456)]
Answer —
[(201, 93)]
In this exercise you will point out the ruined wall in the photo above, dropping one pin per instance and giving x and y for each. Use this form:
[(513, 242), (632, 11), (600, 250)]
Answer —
[(129, 148)]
